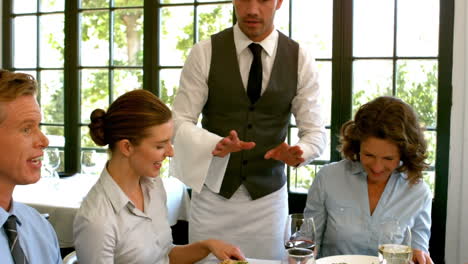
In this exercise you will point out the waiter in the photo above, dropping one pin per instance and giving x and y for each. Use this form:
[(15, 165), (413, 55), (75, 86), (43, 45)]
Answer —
[(246, 81)]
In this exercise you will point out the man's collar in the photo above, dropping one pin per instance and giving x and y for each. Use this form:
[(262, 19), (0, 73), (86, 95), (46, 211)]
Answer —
[(242, 41), (4, 214)]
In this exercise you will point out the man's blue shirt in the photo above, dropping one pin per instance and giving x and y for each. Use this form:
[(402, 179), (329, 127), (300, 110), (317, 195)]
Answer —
[(36, 236)]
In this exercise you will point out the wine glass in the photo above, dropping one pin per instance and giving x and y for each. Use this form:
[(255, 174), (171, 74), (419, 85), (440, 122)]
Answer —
[(299, 238), (51, 162), (394, 243), (88, 161)]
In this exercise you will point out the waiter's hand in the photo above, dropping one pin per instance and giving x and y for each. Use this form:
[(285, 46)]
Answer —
[(287, 154), (231, 143), (421, 257)]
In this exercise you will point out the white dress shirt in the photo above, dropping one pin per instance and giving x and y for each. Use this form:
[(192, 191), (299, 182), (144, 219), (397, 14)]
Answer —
[(108, 228), (201, 168)]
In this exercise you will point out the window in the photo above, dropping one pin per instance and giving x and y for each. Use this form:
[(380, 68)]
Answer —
[(110, 37), (38, 34), (364, 49)]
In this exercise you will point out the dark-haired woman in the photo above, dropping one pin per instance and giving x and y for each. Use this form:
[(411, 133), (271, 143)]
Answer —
[(123, 219), (379, 179)]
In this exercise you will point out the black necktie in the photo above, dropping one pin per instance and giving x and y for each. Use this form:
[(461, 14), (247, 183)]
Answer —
[(12, 234), (254, 85)]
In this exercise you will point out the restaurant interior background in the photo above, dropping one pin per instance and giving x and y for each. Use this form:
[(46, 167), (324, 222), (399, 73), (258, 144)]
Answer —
[(416, 50)]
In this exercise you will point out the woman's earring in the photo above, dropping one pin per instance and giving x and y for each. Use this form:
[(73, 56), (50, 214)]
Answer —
[(401, 163)]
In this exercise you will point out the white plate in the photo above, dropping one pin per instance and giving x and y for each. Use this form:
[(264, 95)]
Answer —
[(262, 261), (348, 259)]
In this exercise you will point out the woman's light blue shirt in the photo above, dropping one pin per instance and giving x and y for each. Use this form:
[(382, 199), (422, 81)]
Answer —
[(338, 201), (36, 236)]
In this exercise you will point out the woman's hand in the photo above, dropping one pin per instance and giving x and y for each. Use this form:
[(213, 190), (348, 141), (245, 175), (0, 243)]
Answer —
[(421, 257), (223, 250)]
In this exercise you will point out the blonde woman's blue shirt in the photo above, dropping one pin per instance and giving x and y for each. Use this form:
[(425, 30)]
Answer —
[(338, 201)]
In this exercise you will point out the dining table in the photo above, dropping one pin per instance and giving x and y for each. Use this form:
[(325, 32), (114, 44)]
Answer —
[(338, 259), (60, 198)]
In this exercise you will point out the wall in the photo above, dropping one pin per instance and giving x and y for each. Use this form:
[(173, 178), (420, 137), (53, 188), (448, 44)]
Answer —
[(457, 211)]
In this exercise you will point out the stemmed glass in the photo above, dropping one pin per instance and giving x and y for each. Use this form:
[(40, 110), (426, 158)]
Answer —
[(88, 161), (394, 243), (51, 162), (299, 239)]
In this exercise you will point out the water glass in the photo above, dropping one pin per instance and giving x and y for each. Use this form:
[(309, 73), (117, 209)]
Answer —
[(88, 161), (51, 163), (300, 255), (394, 243)]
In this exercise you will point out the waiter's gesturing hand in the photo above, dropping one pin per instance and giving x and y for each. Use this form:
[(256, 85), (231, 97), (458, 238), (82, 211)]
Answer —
[(231, 143), (287, 154)]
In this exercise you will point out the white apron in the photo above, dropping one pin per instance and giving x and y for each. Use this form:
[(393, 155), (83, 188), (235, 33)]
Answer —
[(255, 226)]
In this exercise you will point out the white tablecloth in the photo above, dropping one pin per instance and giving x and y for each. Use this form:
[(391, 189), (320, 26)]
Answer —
[(62, 198)]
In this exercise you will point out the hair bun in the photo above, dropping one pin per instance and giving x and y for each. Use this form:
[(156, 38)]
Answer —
[(96, 128)]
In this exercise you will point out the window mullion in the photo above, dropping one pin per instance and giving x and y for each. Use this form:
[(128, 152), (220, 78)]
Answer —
[(7, 29), (341, 70), (71, 88), (151, 46), (196, 36), (395, 42), (444, 104), (110, 69)]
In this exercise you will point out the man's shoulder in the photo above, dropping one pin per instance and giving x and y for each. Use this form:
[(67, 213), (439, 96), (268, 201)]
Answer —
[(286, 37), (39, 235), (229, 30), (224, 36), (202, 44), (31, 218), (282, 37), (26, 211)]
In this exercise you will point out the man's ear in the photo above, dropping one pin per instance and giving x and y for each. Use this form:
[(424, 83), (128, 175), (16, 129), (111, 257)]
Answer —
[(125, 147)]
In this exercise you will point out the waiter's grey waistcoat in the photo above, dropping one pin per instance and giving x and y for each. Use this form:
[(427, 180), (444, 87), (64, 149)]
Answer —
[(266, 122)]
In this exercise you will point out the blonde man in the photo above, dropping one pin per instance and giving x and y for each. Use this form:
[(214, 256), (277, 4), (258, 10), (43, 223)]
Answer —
[(25, 236)]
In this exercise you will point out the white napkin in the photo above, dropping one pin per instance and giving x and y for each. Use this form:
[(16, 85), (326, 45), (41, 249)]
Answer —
[(193, 163)]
